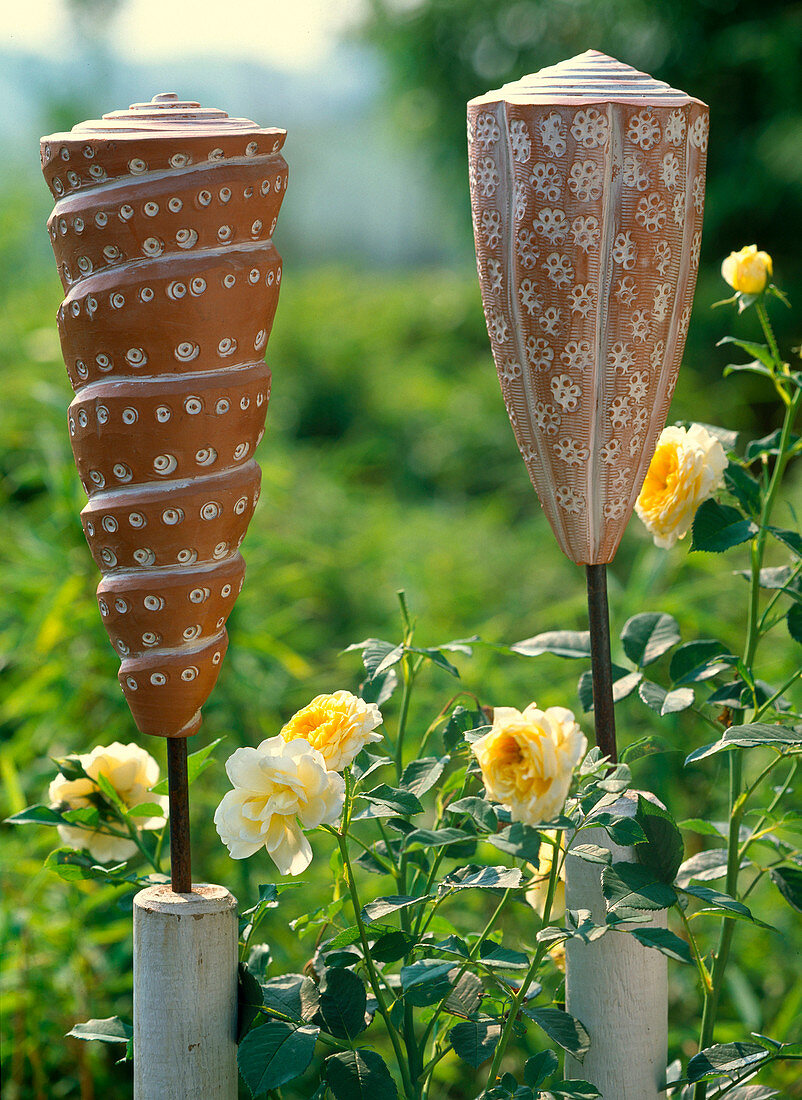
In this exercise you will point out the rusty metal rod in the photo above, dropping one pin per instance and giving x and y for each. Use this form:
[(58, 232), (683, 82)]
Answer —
[(600, 660), (178, 792)]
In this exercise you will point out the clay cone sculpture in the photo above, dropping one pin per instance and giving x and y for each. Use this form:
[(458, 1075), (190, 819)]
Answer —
[(587, 187), (162, 233)]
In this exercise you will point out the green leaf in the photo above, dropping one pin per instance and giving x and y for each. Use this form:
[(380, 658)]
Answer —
[(623, 830), (88, 816), (111, 794), (475, 1040), (71, 865), (791, 539), (502, 958), (461, 722), (519, 840), (768, 445), (760, 352), (717, 900), (432, 839), (197, 763), (146, 809), (751, 736), (704, 867), (479, 809), (718, 527), (700, 826), (755, 367), (563, 1029), (788, 881), (664, 941), (794, 622), (35, 815), (437, 658), (696, 661), (112, 1029), (539, 1067), (342, 1004), (647, 636), (293, 995), (385, 801), (249, 1000), (482, 878), (562, 643), (665, 702), (392, 946), (744, 487), (382, 907), (573, 1090), (465, 996), (359, 1075), (725, 1058), (274, 1053), (633, 886), (662, 851), (592, 853), (427, 981), (624, 683), (421, 775)]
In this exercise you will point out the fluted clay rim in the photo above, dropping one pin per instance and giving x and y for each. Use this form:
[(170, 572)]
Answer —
[(590, 77)]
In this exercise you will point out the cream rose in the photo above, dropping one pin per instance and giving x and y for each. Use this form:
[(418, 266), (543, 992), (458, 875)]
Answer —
[(280, 788), (748, 270), (131, 771), (338, 726), (688, 467), (527, 760)]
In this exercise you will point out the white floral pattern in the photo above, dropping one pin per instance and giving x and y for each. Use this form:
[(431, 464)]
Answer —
[(520, 142), (553, 133), (566, 392), (644, 130), (581, 299), (577, 355), (569, 499), (571, 453), (662, 257), (552, 224), (651, 212), (590, 128), (626, 291), (486, 132), (585, 232), (675, 128), (546, 181), (550, 320), (634, 173), (669, 171), (559, 269), (624, 251), (546, 418), (539, 352), (530, 299), (585, 180), (698, 132)]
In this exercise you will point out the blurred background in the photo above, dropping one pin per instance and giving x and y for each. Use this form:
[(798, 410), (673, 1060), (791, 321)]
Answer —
[(389, 461)]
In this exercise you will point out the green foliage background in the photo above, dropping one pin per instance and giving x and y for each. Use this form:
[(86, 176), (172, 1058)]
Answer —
[(388, 463)]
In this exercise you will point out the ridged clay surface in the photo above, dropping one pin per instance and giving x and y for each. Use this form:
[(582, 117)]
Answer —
[(587, 189), (162, 232)]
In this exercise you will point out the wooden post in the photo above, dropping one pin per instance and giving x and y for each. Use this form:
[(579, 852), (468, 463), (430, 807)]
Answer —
[(616, 987), (185, 994)]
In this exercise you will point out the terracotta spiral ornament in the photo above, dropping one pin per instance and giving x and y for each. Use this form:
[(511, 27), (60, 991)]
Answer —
[(162, 233), (587, 188)]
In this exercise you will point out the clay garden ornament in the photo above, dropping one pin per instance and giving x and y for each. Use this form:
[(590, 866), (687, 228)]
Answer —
[(587, 187), (162, 233)]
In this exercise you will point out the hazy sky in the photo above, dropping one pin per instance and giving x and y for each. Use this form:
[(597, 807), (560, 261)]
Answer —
[(292, 34)]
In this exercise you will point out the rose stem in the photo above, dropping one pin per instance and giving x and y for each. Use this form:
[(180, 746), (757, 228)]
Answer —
[(178, 791), (600, 661)]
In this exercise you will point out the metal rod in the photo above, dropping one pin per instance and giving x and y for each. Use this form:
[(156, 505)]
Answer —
[(178, 791), (600, 660)]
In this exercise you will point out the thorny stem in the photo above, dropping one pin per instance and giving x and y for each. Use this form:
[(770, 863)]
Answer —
[(518, 999), (736, 799)]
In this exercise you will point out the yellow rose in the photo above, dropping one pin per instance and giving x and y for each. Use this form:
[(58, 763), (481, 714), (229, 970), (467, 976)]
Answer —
[(131, 771), (747, 271), (337, 725), (688, 467), (527, 760), (280, 788)]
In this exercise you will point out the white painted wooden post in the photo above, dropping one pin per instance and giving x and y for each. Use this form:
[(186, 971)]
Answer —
[(185, 994), (616, 987)]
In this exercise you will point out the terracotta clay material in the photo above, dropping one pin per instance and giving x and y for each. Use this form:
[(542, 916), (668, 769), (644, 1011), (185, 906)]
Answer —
[(587, 189), (162, 233)]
